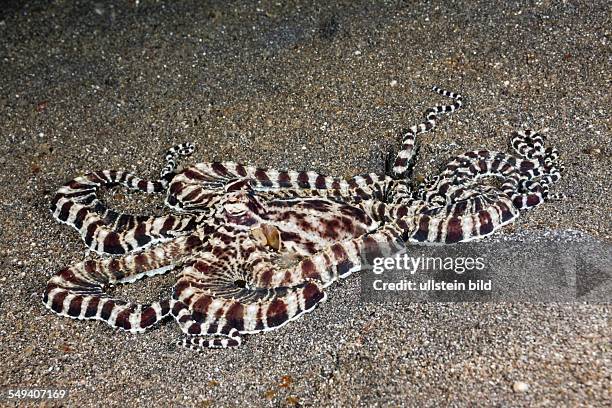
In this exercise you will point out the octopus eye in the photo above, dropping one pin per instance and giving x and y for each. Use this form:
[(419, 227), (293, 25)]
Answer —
[(241, 283), (235, 209)]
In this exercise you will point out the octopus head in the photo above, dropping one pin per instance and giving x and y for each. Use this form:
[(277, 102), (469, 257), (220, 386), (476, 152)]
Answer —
[(242, 208)]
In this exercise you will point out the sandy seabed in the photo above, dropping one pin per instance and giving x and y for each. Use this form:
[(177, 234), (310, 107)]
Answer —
[(325, 87)]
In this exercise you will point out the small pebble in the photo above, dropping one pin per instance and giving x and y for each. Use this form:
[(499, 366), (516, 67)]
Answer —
[(593, 151), (520, 386)]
